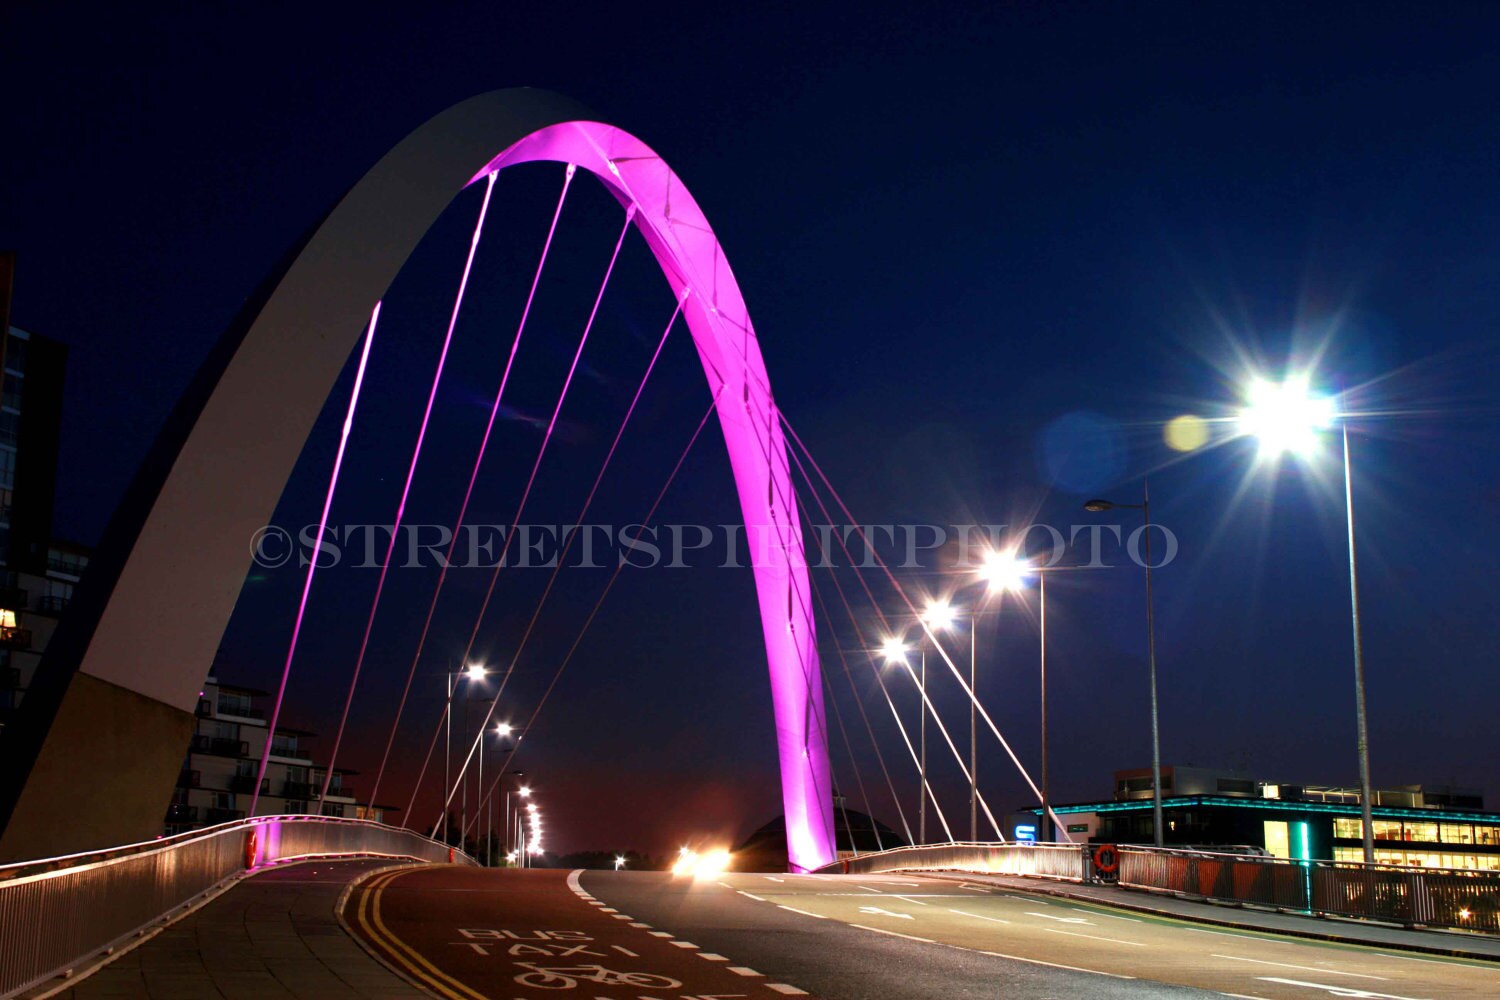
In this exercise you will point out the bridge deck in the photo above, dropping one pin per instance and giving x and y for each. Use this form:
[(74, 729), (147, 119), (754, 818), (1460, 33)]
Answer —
[(274, 935)]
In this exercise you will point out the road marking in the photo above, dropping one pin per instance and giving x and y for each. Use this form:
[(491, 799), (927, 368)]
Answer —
[(909, 937), (876, 911), (661, 934), (1338, 991), (596, 902), (751, 895), (684, 944), (741, 970), (875, 891), (1096, 937), (1303, 968), (909, 899), (1061, 920), (1112, 916), (368, 916), (979, 916), (1026, 899), (608, 909), (803, 912), (624, 950), (972, 888), (773, 878), (573, 882), (644, 927), (1242, 996), (709, 956), (1054, 965), (790, 991), (620, 916)]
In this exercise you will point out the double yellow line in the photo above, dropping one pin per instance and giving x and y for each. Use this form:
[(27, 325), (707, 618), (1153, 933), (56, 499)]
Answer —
[(367, 915)]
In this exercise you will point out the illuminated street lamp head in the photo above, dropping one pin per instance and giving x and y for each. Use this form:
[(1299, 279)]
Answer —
[(532, 806), (1004, 571), (476, 671), (1098, 506), (1285, 416), (524, 791), (939, 615), (502, 728), (894, 650)]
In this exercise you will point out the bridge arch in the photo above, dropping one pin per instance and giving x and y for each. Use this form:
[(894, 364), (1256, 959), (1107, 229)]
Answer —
[(119, 684)]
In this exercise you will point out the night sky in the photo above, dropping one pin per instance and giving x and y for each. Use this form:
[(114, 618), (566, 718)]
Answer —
[(989, 253)]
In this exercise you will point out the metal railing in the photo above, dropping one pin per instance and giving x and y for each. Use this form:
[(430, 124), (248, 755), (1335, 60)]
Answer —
[(1457, 898), (58, 914), (1058, 861)]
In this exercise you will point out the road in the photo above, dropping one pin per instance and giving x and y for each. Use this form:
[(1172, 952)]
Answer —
[(475, 934)]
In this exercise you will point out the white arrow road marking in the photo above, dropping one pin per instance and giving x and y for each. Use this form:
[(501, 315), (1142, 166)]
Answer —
[(877, 911), (1061, 920), (1338, 991), (1303, 968)]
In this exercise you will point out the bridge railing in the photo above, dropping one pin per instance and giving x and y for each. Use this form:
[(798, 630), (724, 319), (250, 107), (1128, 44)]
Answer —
[(59, 914), (1433, 897), (1058, 861)]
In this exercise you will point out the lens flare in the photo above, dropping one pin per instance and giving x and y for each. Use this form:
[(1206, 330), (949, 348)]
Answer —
[(1186, 433)]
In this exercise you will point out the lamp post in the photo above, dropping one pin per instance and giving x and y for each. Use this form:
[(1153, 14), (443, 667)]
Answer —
[(473, 672), (938, 616), (894, 651), (1145, 508), (502, 730), (1286, 417)]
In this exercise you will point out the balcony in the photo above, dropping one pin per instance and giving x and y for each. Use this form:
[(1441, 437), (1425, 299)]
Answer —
[(66, 567), (15, 638), (220, 747), (51, 604), (205, 708), (246, 783), (300, 790), (216, 815)]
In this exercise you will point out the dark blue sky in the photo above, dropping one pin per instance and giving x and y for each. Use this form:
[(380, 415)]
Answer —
[(961, 232)]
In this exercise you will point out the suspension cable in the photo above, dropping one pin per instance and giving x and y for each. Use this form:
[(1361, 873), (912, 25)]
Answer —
[(312, 564), (411, 473), (473, 476)]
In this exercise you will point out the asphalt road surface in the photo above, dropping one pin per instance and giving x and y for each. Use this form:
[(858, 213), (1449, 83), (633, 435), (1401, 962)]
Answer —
[(475, 933)]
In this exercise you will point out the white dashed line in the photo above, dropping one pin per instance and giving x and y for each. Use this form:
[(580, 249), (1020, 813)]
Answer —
[(979, 916), (790, 991), (637, 924), (803, 912), (1054, 965), (1303, 968), (740, 970), (709, 956), (685, 944), (751, 895), (909, 937), (660, 934), (1093, 937), (608, 909), (620, 916)]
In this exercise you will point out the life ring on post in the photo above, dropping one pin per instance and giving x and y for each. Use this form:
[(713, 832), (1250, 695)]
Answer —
[(1106, 859), (250, 848)]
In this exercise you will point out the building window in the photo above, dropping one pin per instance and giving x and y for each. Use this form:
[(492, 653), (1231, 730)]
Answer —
[(1486, 834), (1456, 833), (1387, 829), (1425, 832), (1348, 828)]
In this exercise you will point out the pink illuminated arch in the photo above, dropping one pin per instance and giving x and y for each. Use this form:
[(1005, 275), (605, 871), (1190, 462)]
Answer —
[(176, 554)]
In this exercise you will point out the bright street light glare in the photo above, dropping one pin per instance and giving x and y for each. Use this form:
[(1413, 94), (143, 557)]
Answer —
[(502, 729), (1285, 416), (476, 671), (524, 791), (1004, 571), (939, 615), (894, 650)]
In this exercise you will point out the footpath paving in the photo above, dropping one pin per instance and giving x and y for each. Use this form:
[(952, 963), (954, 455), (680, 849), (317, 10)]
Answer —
[(273, 935), (1452, 944)]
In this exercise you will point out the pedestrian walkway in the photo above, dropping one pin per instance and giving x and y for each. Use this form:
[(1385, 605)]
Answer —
[(274, 935), (1454, 944)]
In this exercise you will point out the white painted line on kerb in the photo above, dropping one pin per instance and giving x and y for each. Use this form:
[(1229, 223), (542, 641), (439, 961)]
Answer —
[(909, 937), (1338, 991), (751, 895), (979, 916), (1094, 937), (709, 956), (793, 909), (1303, 968), (790, 991), (1054, 965), (684, 944), (740, 970)]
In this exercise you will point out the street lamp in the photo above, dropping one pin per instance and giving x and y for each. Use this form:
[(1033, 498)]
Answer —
[(472, 673), (1144, 507), (1001, 572), (938, 615), (894, 651), (1284, 417), (619, 861)]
